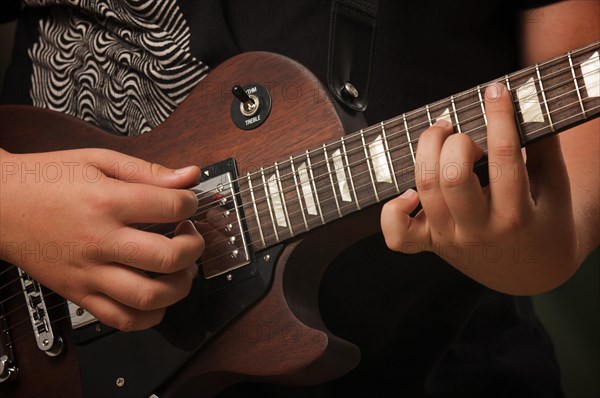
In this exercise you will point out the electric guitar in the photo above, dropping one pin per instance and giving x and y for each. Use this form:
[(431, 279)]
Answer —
[(293, 191)]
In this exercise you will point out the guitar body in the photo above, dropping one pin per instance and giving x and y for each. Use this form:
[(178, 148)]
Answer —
[(280, 338), (258, 321)]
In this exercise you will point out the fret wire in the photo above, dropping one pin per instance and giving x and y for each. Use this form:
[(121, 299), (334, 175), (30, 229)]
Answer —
[(312, 180), (283, 205), (469, 92), (530, 69), (367, 158), (515, 111), (268, 199), (478, 127), (408, 138), (553, 74), (567, 118), (302, 210), (508, 84), (551, 88), (409, 181), (389, 158), (484, 114), (337, 203), (478, 141), (473, 118), (471, 105), (481, 102), (260, 229), (350, 173), (428, 115), (455, 114), (483, 139), (577, 89), (463, 108), (537, 71)]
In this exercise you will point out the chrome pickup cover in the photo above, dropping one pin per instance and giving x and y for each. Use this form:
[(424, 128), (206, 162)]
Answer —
[(219, 221)]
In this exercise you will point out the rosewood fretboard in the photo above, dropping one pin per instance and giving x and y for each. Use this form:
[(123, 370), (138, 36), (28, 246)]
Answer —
[(323, 184)]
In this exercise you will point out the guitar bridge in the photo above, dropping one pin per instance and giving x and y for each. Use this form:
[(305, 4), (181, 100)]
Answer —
[(38, 315), (8, 369)]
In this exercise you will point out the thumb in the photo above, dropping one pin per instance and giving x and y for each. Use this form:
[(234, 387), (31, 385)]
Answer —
[(131, 169), (401, 231)]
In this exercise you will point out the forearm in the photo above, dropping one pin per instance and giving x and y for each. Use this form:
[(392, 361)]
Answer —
[(547, 32), (580, 150)]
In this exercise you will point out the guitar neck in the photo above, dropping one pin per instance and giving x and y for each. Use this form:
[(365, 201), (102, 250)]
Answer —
[(323, 184)]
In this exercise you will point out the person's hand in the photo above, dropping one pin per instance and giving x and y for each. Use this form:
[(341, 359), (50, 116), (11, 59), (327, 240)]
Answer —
[(69, 220), (518, 234)]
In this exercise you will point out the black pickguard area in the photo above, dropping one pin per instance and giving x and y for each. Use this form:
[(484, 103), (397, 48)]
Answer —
[(144, 360)]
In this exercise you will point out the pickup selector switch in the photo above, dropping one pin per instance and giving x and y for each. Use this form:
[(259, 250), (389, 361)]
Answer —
[(251, 106)]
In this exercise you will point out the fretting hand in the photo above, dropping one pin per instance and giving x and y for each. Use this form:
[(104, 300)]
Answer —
[(518, 234)]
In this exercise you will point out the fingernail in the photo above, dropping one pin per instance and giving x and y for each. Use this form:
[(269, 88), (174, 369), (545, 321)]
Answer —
[(409, 193), (492, 91), (184, 170), (442, 123)]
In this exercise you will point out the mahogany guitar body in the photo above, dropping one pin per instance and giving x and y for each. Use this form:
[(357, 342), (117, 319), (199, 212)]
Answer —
[(281, 337), (306, 193)]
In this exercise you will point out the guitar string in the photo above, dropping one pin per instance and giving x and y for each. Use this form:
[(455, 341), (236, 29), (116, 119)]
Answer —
[(17, 294), (24, 321), (2, 273), (29, 332), (458, 97), (471, 92), (417, 126), (345, 206), (46, 295), (389, 150), (327, 175), (391, 136), (329, 188)]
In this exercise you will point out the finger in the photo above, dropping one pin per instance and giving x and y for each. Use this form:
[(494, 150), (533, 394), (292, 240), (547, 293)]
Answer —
[(509, 185), (427, 176), (138, 290), (154, 252), (128, 168), (117, 315), (460, 186), (139, 203), (401, 231)]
